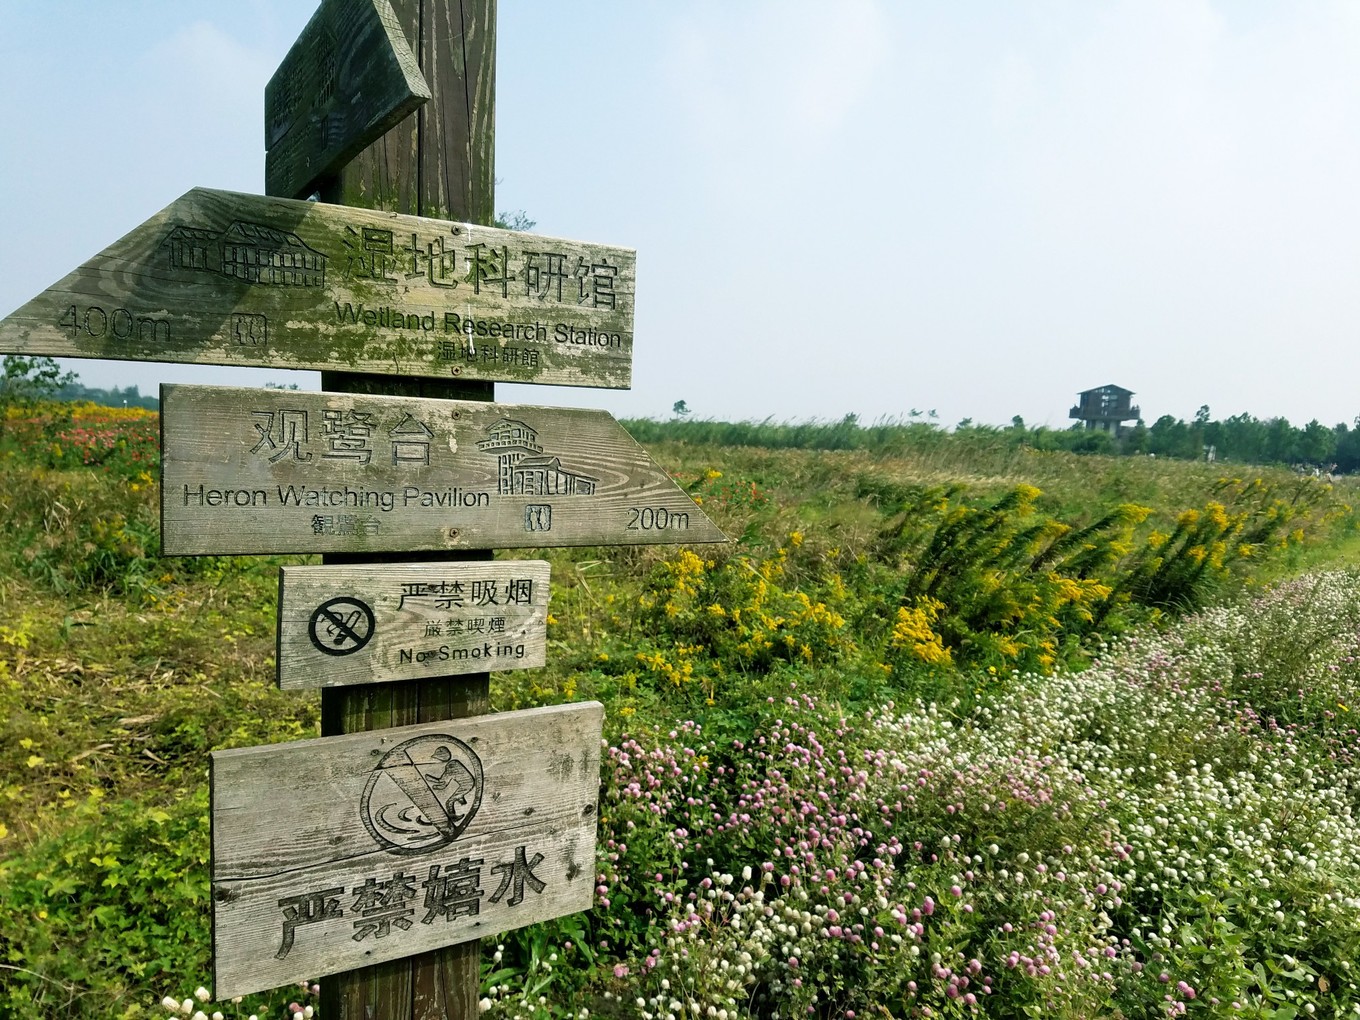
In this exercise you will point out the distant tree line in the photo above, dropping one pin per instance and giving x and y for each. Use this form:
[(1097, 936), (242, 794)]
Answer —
[(1241, 438), (129, 397)]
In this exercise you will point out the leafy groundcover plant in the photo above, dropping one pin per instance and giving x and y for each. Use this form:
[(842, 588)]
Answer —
[(1171, 831), (884, 801)]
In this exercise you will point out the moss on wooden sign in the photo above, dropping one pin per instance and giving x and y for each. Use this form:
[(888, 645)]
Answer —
[(220, 278)]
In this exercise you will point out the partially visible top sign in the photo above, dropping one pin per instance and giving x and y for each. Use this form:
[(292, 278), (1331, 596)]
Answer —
[(350, 76), (219, 278)]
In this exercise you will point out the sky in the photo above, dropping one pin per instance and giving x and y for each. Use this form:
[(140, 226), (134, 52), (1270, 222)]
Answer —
[(875, 207)]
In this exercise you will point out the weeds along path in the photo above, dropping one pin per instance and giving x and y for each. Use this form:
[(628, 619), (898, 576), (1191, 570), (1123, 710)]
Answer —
[(879, 663), (1172, 830)]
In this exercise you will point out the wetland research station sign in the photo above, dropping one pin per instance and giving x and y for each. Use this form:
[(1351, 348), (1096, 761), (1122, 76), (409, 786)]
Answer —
[(220, 278)]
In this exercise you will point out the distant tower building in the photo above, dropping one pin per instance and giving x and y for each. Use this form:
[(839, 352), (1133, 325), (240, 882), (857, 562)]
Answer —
[(1105, 408)]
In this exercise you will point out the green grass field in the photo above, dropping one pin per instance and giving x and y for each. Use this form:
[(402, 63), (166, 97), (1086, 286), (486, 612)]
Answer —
[(945, 731)]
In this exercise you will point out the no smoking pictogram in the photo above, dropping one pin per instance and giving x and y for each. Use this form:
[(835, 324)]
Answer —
[(341, 626)]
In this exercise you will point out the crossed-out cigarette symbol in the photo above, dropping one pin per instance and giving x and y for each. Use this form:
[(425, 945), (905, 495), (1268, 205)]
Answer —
[(341, 626)]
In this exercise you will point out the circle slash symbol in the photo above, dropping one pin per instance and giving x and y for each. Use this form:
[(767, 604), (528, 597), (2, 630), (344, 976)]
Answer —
[(422, 794), (341, 626)]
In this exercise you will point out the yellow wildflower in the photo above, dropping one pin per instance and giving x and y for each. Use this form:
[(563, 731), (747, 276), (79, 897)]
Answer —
[(913, 632)]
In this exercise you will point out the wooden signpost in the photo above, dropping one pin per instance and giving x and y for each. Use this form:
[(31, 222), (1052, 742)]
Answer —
[(277, 471), (369, 624), (399, 841), (220, 278), (378, 854), (438, 162), (350, 76)]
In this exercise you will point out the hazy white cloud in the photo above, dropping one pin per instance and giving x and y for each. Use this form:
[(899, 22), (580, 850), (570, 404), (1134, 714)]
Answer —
[(977, 207), (218, 73), (765, 79)]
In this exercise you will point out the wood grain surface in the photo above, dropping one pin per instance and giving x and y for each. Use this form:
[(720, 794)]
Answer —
[(274, 471), (350, 77), (340, 852), (222, 278), (441, 160), (355, 624), (438, 162)]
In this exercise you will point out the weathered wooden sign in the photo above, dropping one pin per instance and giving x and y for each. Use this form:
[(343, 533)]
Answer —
[(345, 851), (279, 471), (341, 625), (225, 279), (350, 76)]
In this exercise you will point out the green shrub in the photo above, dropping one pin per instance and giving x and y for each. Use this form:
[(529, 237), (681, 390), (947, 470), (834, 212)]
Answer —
[(128, 885)]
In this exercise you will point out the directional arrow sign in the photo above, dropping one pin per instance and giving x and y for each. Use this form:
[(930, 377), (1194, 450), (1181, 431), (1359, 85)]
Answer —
[(348, 624), (279, 471), (350, 76), (350, 850), (219, 278)]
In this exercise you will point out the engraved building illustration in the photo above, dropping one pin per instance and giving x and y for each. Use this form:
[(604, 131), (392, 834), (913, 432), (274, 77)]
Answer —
[(524, 470), (193, 248), (260, 254), (251, 252)]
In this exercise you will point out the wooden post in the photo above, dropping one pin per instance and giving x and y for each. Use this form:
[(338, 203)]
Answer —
[(438, 162)]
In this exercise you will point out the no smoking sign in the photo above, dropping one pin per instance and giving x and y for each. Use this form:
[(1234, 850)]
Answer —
[(409, 620), (342, 626)]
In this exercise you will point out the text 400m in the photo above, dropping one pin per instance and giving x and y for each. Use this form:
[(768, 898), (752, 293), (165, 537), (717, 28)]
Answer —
[(120, 323), (658, 518)]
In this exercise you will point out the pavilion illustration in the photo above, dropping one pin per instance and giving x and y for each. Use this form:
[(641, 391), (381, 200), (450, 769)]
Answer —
[(524, 470)]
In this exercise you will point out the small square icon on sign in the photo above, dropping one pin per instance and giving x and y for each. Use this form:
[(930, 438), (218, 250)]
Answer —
[(538, 517)]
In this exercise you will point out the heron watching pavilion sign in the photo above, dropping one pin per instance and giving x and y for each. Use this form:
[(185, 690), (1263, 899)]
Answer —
[(279, 471)]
